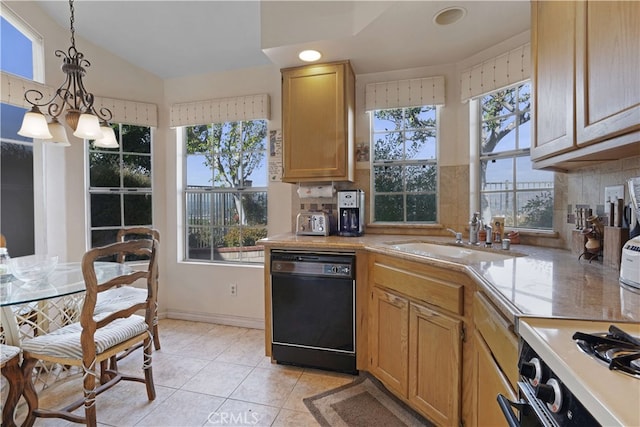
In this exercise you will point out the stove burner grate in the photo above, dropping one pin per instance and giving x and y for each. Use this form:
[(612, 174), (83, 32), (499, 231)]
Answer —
[(619, 350)]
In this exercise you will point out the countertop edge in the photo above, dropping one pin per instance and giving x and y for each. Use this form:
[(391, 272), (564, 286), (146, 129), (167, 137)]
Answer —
[(380, 244)]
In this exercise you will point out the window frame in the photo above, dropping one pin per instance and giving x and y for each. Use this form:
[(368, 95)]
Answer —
[(37, 41), (477, 193), (413, 162), (213, 191), (121, 190), (33, 239)]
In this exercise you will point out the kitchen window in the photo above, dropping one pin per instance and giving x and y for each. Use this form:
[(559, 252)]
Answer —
[(120, 184), (509, 185), (225, 198), (404, 165)]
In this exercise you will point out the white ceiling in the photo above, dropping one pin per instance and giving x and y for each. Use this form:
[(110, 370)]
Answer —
[(181, 38)]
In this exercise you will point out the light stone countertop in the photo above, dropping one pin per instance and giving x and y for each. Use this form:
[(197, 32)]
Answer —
[(541, 282)]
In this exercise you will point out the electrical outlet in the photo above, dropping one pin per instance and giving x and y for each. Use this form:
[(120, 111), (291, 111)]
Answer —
[(233, 289)]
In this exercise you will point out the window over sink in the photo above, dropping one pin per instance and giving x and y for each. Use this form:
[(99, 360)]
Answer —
[(509, 185), (404, 164)]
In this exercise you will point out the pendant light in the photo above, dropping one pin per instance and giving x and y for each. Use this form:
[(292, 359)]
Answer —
[(71, 97)]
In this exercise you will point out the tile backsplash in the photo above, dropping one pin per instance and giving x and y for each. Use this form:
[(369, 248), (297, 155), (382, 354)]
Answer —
[(580, 188), (585, 188)]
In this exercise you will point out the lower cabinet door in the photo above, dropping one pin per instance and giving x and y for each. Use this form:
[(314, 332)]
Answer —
[(435, 365), (388, 324), (488, 382)]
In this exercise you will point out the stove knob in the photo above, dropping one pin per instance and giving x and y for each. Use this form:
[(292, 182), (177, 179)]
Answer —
[(532, 370), (551, 394)]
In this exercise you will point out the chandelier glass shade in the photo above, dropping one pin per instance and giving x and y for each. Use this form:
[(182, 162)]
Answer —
[(73, 99), (58, 133), (109, 137)]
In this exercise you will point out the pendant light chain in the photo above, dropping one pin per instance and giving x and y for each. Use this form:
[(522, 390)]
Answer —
[(71, 20)]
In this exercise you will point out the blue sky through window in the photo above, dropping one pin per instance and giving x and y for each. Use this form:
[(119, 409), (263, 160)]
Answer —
[(16, 55)]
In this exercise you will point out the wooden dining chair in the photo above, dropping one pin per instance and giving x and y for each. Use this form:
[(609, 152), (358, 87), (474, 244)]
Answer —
[(116, 297), (10, 368), (97, 337)]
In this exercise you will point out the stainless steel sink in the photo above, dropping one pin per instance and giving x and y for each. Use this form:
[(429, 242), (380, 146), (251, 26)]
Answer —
[(459, 252)]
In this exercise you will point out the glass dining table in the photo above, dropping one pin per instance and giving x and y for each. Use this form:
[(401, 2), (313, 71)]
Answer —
[(36, 307)]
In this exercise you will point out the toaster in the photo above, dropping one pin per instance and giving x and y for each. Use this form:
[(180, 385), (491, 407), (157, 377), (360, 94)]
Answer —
[(314, 224), (630, 264)]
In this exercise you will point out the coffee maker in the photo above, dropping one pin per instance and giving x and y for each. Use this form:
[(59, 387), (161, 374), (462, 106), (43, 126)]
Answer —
[(350, 213)]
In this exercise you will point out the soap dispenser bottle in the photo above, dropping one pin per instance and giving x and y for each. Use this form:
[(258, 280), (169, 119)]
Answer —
[(474, 227)]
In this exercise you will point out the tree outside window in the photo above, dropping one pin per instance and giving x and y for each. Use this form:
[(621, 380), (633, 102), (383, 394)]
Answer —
[(120, 191), (404, 165), (226, 191), (509, 185)]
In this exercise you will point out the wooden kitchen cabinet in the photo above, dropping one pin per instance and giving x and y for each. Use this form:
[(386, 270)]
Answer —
[(435, 364), (388, 339), (415, 336), (586, 91), (488, 381), (318, 107), (552, 38), (495, 363), (607, 69)]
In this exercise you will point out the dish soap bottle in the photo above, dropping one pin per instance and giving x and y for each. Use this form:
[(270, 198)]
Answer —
[(474, 227)]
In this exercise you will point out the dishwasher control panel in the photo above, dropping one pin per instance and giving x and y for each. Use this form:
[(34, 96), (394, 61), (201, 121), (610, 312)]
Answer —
[(313, 264), (337, 269)]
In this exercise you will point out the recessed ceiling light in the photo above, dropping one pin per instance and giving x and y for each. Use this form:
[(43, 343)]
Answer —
[(309, 55), (450, 15)]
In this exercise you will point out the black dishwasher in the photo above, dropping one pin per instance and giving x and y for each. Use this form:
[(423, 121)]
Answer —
[(313, 309)]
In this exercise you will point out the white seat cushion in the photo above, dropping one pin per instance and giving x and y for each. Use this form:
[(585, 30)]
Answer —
[(7, 352), (65, 342), (116, 299)]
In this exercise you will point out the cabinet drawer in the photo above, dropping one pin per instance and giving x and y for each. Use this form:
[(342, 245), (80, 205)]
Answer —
[(488, 382), (499, 336), (428, 289)]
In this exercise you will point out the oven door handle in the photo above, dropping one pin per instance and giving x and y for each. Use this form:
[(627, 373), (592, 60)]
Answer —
[(505, 405)]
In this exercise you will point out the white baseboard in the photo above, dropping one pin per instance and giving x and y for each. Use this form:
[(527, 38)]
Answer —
[(222, 319)]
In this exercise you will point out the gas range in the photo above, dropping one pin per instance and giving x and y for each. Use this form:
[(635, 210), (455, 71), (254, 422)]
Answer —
[(618, 349), (578, 373)]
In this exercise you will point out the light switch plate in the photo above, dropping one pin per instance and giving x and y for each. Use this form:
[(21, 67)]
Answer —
[(613, 192)]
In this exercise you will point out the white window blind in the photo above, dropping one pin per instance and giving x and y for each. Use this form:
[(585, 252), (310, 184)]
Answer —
[(129, 112), (405, 93), (221, 110), (496, 73)]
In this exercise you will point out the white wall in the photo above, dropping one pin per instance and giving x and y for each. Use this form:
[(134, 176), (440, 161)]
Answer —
[(192, 290), (201, 291)]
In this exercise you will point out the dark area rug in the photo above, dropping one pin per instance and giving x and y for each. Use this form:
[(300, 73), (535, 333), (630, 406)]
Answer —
[(362, 403)]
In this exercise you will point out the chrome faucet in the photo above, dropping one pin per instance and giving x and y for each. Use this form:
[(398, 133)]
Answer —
[(458, 235)]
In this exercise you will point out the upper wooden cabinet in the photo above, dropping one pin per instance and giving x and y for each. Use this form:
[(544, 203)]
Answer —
[(552, 45), (318, 103), (607, 69), (586, 101)]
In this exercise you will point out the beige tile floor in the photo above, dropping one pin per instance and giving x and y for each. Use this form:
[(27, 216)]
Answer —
[(205, 375)]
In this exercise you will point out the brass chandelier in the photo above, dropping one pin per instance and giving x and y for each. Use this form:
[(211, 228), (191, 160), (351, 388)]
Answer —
[(72, 97)]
